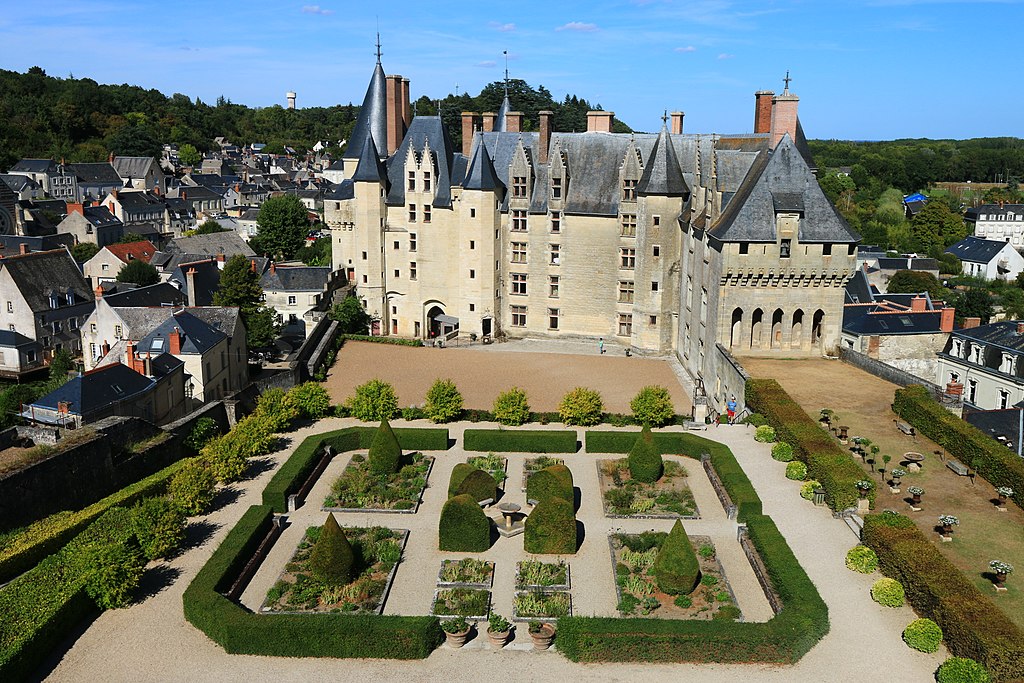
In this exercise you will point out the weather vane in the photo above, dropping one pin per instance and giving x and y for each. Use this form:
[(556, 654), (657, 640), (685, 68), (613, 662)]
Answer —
[(786, 80), (505, 52)]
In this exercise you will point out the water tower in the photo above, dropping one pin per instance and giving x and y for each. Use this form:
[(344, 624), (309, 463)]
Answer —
[(291, 100)]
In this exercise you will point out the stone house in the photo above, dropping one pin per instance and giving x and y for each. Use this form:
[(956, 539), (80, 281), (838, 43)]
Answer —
[(108, 261), (987, 361), (294, 291), (140, 173), (93, 224)]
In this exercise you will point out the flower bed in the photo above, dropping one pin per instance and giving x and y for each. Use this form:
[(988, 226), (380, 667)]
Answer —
[(492, 464), (541, 605), (624, 496), (360, 489), (377, 552), (467, 572), (633, 557), (534, 574), (471, 603), (532, 465)]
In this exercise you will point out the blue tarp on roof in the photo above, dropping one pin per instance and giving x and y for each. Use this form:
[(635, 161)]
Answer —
[(916, 197)]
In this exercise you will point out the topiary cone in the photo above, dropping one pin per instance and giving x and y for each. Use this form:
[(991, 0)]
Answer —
[(644, 460), (676, 568), (332, 557), (385, 453)]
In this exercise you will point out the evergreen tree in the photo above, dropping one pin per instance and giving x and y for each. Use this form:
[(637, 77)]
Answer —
[(282, 226), (139, 272), (676, 568), (240, 287), (332, 557), (351, 316)]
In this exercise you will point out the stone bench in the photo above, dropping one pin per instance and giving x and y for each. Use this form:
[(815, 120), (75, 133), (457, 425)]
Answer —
[(485, 502), (958, 467), (905, 428)]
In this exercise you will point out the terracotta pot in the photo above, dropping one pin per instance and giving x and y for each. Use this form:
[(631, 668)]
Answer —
[(456, 639), (1000, 578), (498, 638), (542, 639), (863, 493)]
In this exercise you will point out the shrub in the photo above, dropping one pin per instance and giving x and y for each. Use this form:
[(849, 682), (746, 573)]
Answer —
[(923, 635), (961, 670), (159, 525), (112, 572), (385, 454), (275, 407), (551, 528), (796, 470), (782, 451), (191, 489), (413, 413), (204, 429), (332, 558), (373, 401), (459, 473), (764, 434), (808, 488), (888, 592), (224, 459), (311, 400), (520, 440), (676, 568), (444, 402), (861, 559), (511, 407), (652, 407), (645, 463), (463, 526), (581, 407), (554, 481), (478, 484)]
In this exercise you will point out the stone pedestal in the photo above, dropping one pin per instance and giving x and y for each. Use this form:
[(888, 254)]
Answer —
[(946, 539), (915, 509), (913, 467), (999, 589), (1001, 509), (894, 489), (863, 505)]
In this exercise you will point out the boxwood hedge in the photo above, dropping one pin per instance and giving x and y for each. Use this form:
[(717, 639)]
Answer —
[(784, 639), (520, 440), (836, 469), (240, 631)]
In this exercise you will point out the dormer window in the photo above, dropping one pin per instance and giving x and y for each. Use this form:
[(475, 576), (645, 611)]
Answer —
[(519, 187), (70, 298), (54, 301), (629, 190), (556, 188)]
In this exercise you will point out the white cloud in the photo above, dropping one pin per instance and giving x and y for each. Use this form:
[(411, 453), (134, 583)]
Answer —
[(504, 28), (580, 26), (688, 48), (726, 55), (487, 64), (316, 9)]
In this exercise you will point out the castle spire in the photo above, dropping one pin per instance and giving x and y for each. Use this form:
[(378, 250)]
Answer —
[(379, 53)]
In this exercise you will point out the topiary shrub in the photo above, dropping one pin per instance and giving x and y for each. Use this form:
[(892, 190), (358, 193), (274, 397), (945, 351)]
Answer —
[(332, 558), (459, 473), (676, 568), (796, 470), (861, 559), (652, 406), (961, 670), (444, 402), (203, 430), (191, 488), (551, 528), (764, 434), (645, 463), (111, 572), (478, 484), (511, 407), (888, 592), (807, 490), (159, 526), (385, 453), (373, 401), (581, 407), (463, 526), (923, 635), (554, 481), (311, 400), (782, 451)]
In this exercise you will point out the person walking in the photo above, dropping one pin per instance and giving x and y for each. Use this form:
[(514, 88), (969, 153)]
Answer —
[(600, 345), (730, 408)]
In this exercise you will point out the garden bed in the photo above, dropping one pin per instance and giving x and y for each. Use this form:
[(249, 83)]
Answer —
[(668, 498), (472, 603), (538, 575), (546, 606), (532, 465), (638, 594), (493, 464), (377, 552), (358, 489), (468, 572)]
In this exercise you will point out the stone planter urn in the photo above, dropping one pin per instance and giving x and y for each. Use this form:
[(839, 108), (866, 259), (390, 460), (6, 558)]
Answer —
[(1000, 579), (947, 529), (542, 635), (456, 632), (916, 498), (498, 638), (456, 640), (862, 493)]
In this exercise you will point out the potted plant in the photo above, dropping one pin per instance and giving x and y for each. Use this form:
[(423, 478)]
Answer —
[(948, 522), (915, 494), (885, 465), (456, 631), (1004, 492), (897, 474), (1000, 569), (541, 634), (864, 486), (826, 417), (498, 630)]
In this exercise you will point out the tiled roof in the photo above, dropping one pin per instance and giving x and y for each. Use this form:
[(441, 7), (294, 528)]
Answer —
[(131, 251)]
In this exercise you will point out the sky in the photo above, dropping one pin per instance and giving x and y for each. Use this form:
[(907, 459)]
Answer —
[(864, 70)]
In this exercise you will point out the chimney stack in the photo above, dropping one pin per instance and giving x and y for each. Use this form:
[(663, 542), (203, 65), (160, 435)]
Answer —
[(406, 108), (397, 104), (677, 123), (600, 121), (273, 268), (23, 249), (174, 342), (763, 111), (917, 304), (1020, 328), (76, 208), (546, 125), (190, 276), (489, 117), (784, 119), (98, 292), (220, 258), (468, 128), (970, 323), (110, 159), (252, 265), (147, 364), (946, 321), (514, 122)]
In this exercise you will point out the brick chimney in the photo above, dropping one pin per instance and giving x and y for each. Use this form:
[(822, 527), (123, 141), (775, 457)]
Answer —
[(220, 259), (763, 111), (514, 122), (677, 122), (547, 119), (1020, 328), (917, 304), (105, 347), (468, 128), (489, 117), (946, 321), (395, 115), (23, 249), (110, 159), (406, 108), (190, 276), (174, 342), (252, 265), (273, 268), (970, 323), (600, 121), (156, 190), (76, 208), (784, 108), (98, 292), (147, 365)]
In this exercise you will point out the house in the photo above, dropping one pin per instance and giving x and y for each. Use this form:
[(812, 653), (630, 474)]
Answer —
[(57, 180), (988, 259), (108, 261), (178, 217), (987, 362), (294, 291), (13, 245), (109, 323), (135, 208), (913, 203), (140, 173), (335, 173), (96, 180), (882, 268), (198, 280), (1002, 222), (46, 298), (150, 387), (20, 356), (226, 244), (23, 186), (201, 199), (93, 224)]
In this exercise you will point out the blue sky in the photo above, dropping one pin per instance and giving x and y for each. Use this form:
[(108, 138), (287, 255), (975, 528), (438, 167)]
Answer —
[(867, 69)]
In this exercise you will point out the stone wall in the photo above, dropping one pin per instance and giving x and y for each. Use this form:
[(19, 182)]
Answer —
[(883, 370), (731, 381)]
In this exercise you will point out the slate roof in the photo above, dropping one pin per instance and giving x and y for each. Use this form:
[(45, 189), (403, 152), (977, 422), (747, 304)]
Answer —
[(206, 279), (9, 339), (372, 120), (34, 166), (19, 183), (422, 130), (200, 336), (296, 279), (976, 250), (1002, 334), (996, 423), (39, 274), (227, 243), (662, 175), (343, 190), (160, 294), (369, 168), (101, 173), (133, 167), (906, 263), (481, 174), (10, 245), (140, 201), (129, 251), (100, 216), (868, 312), (196, 193), (97, 389), (222, 318), (989, 209)]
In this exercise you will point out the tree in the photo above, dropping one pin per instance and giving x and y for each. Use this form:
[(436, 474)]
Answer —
[(210, 227), (351, 316), (581, 407), (936, 225), (130, 237), (261, 326), (189, 155), (83, 251), (60, 366), (138, 272), (283, 223), (332, 557), (974, 303), (316, 254), (915, 282), (652, 406), (375, 400), (240, 287), (444, 402), (385, 454), (676, 568), (511, 407), (645, 463)]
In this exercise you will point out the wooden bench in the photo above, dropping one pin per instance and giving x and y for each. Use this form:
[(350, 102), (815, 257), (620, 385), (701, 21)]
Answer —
[(958, 467), (905, 428)]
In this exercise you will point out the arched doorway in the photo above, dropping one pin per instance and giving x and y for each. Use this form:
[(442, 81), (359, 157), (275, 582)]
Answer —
[(735, 331), (756, 325), (797, 330), (777, 329), (433, 324), (818, 326)]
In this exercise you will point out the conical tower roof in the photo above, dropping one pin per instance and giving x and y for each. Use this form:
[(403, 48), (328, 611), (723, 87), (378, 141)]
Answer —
[(663, 176), (481, 174), (370, 168), (500, 123), (373, 117)]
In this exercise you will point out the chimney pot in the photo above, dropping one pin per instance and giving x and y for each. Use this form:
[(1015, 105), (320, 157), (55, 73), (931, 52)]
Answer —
[(917, 304), (489, 117), (600, 121), (23, 249), (971, 323), (98, 292), (273, 268)]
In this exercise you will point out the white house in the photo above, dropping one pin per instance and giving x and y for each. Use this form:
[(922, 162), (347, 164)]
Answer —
[(988, 259)]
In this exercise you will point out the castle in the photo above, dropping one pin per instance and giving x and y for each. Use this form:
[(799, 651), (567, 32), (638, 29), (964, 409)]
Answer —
[(696, 245)]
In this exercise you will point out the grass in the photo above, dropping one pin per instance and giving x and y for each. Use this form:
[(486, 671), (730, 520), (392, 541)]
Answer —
[(14, 459)]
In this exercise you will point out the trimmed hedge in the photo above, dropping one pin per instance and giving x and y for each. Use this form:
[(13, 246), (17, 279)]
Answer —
[(973, 626), (239, 631), (784, 639), (732, 476), (554, 481), (459, 473), (836, 469), (551, 528), (293, 472), (480, 485), (50, 534), (521, 441), (463, 526), (994, 462)]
